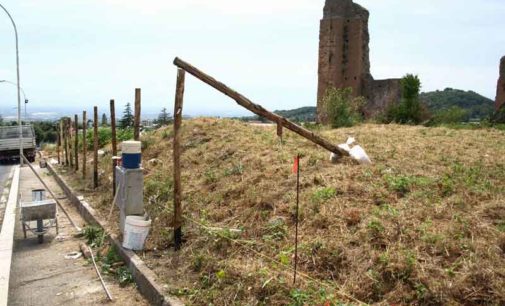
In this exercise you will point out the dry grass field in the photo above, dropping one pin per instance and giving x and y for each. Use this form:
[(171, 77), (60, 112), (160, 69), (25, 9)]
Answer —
[(425, 224)]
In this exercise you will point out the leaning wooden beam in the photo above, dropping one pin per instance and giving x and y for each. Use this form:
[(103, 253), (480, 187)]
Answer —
[(258, 109), (177, 222)]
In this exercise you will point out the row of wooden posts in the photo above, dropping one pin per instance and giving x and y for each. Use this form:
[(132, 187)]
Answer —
[(65, 124), (68, 142)]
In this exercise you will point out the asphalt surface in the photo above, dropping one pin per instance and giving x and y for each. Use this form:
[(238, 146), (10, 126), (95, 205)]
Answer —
[(40, 273)]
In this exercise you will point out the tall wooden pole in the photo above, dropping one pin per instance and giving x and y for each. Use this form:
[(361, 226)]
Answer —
[(136, 130), (95, 148), (297, 163), (76, 144), (65, 140), (58, 143), (84, 143), (69, 135), (179, 98), (114, 144), (258, 109)]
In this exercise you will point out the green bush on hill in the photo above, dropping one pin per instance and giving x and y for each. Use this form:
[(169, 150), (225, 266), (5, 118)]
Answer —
[(342, 109), (477, 106), (409, 110)]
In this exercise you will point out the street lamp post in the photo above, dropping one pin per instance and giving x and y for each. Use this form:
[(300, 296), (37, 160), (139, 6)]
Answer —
[(22, 91), (19, 87)]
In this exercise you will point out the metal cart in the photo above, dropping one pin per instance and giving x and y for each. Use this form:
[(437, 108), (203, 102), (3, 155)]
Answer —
[(41, 211)]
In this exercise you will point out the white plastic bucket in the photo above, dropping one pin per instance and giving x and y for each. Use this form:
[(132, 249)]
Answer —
[(135, 233), (131, 147)]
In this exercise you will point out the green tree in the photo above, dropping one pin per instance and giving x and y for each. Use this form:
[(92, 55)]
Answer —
[(409, 110), (342, 108), (127, 120), (164, 117), (104, 120), (1, 120)]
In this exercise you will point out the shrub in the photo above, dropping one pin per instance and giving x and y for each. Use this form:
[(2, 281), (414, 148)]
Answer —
[(451, 115), (105, 136), (342, 108)]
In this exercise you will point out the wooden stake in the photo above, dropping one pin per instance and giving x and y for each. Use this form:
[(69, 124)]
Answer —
[(76, 146), (297, 214), (69, 135), (179, 98), (136, 129), (58, 143), (95, 148), (279, 130), (258, 109), (65, 139), (84, 143), (114, 144)]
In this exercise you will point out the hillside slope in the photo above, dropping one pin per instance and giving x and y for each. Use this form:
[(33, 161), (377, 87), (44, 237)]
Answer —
[(478, 107), (423, 225)]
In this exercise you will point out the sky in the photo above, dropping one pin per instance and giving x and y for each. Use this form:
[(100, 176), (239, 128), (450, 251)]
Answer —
[(79, 53)]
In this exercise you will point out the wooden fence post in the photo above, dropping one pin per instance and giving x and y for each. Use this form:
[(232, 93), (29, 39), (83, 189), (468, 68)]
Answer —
[(76, 152), (65, 139), (95, 148), (84, 143), (58, 143), (136, 129), (179, 98), (70, 145), (114, 144)]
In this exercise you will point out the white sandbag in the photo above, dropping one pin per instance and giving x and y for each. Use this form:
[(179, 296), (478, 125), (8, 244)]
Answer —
[(359, 154)]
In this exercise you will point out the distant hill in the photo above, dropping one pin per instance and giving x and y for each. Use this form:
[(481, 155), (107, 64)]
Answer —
[(302, 114), (478, 107)]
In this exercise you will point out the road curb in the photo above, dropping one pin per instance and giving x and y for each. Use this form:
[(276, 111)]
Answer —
[(144, 277), (7, 238)]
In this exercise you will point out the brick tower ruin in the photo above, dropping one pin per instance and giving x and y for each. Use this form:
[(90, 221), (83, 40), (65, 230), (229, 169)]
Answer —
[(344, 58), (500, 90)]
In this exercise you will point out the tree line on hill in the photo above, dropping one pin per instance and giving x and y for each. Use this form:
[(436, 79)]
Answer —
[(449, 106), (47, 131)]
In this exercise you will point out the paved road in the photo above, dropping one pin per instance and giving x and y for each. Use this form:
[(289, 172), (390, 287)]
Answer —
[(40, 274)]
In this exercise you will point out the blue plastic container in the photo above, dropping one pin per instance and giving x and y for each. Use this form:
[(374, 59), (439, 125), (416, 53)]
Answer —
[(131, 152), (131, 161)]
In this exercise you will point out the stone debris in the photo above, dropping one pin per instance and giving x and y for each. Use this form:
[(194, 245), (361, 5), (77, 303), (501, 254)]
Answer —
[(85, 250), (73, 255)]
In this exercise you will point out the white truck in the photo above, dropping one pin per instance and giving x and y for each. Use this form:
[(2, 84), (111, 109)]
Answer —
[(9, 143)]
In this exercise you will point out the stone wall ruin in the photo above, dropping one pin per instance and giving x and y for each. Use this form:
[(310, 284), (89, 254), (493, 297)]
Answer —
[(500, 89), (344, 58)]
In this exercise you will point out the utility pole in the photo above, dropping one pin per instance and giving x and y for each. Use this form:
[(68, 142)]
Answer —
[(19, 87)]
